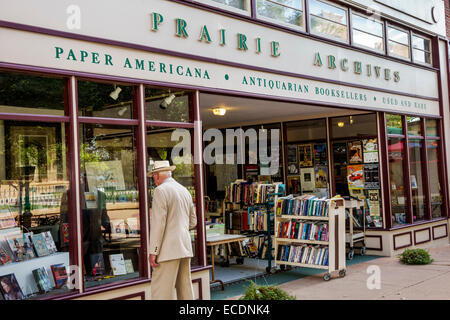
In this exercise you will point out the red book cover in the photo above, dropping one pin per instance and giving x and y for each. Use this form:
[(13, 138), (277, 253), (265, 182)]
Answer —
[(293, 229), (59, 274)]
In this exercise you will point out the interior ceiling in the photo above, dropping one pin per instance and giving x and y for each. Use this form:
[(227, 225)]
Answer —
[(240, 110)]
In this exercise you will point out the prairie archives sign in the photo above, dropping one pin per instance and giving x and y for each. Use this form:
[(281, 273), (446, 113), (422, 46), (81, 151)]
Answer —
[(82, 56)]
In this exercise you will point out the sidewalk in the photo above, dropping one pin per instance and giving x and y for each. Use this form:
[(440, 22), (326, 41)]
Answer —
[(398, 281)]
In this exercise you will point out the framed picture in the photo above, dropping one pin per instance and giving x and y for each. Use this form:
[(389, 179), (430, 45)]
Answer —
[(293, 168), (355, 152), (10, 288), (305, 155), (320, 154), (355, 177), (292, 153), (370, 150)]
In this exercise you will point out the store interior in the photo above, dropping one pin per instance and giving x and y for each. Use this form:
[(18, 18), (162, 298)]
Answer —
[(305, 132)]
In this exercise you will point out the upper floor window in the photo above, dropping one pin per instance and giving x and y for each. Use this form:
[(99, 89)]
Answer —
[(398, 43), (284, 11), (328, 20), (421, 49), (240, 4), (367, 33)]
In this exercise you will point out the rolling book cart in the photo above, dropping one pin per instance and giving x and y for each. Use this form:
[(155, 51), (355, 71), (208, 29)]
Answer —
[(351, 237), (310, 233)]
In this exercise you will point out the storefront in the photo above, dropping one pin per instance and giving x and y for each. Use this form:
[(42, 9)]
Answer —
[(92, 92)]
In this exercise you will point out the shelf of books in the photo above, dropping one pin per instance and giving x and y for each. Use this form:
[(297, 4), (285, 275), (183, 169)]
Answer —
[(310, 232)]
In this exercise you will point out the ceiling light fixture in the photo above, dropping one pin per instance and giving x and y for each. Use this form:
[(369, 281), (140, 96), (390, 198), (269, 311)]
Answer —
[(219, 111), (340, 124)]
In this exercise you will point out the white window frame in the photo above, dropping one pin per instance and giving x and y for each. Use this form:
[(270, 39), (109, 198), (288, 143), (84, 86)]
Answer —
[(388, 42), (246, 12), (326, 36), (412, 49), (383, 38), (282, 23)]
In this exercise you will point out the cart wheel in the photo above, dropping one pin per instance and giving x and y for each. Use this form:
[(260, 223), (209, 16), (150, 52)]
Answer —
[(350, 254), (327, 277), (342, 273), (282, 267), (363, 250)]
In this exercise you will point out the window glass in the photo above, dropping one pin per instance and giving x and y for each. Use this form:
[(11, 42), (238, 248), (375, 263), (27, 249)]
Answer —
[(104, 100), (397, 187), (435, 178), (367, 32), (368, 40), (328, 20), (34, 209), (414, 126), (110, 203), (417, 187), (367, 25), (398, 43), (161, 145), (432, 130), (398, 36), (353, 126), (394, 124), (166, 105), (421, 49), (306, 130), (22, 93), (240, 4), (421, 56), (287, 11)]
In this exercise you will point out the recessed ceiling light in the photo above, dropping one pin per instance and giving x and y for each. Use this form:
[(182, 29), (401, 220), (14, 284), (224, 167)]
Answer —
[(219, 111)]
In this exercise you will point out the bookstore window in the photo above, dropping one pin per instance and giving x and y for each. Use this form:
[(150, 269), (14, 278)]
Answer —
[(307, 157), (105, 100), (367, 32), (174, 145), (421, 49), (356, 164), (34, 211), (328, 20), (28, 94), (167, 105), (288, 12), (110, 203), (398, 42)]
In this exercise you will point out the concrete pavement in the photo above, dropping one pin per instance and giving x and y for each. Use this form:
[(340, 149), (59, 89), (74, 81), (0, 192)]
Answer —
[(396, 281)]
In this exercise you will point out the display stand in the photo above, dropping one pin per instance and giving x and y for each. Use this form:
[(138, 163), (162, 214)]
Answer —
[(335, 219), (352, 237)]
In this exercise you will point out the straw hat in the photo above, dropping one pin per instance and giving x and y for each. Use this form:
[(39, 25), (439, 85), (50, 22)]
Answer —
[(160, 166)]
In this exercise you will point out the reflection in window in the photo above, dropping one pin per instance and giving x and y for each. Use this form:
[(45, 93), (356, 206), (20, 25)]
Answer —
[(166, 105), (104, 100), (240, 4), (22, 93), (421, 49), (397, 187), (435, 178), (432, 129), (414, 126), (287, 11), (394, 124), (164, 144), (398, 42), (416, 179), (367, 32), (34, 211), (110, 204), (328, 20), (354, 126)]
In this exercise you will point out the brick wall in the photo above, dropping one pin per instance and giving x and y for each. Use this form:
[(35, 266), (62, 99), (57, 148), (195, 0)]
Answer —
[(447, 16)]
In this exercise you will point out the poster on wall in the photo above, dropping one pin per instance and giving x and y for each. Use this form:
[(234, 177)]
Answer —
[(371, 176), (105, 174), (374, 202), (294, 184), (307, 180), (305, 155), (321, 173), (370, 150), (320, 154), (292, 153), (355, 176), (293, 168), (354, 152), (340, 153)]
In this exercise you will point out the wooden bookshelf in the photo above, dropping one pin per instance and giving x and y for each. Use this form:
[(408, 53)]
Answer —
[(335, 219)]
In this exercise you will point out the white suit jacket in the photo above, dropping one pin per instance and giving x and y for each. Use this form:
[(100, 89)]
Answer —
[(171, 217)]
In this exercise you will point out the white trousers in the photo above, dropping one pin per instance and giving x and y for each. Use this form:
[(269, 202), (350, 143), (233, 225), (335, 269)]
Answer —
[(172, 280)]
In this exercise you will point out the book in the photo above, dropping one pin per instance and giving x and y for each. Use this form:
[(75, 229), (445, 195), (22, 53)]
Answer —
[(42, 281), (15, 243), (5, 258), (97, 264), (49, 242), (129, 266), (28, 246), (355, 152), (65, 233), (59, 273), (7, 220), (117, 264), (40, 245), (10, 288), (305, 155)]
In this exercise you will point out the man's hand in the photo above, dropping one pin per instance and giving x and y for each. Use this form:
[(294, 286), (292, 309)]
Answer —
[(152, 260)]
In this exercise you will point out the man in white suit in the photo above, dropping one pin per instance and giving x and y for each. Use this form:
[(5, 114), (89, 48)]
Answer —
[(171, 217)]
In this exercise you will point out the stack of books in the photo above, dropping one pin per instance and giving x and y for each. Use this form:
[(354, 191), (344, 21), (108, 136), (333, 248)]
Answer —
[(305, 254), (314, 231), (306, 205)]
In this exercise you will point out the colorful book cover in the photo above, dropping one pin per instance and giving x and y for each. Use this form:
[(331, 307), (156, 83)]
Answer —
[(59, 274), (40, 245), (370, 150), (49, 242), (65, 233), (10, 288), (355, 152), (321, 177), (4, 257), (97, 264), (371, 176), (355, 177), (320, 154), (117, 264), (129, 266), (305, 156), (42, 281), (17, 249), (28, 246)]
